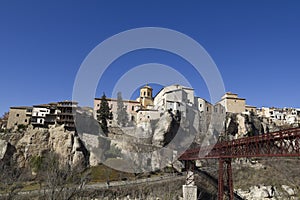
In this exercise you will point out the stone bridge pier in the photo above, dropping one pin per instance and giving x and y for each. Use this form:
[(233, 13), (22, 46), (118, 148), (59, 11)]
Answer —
[(189, 190)]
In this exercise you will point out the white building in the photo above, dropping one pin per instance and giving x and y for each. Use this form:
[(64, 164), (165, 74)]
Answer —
[(174, 98), (39, 113), (203, 105), (44, 114)]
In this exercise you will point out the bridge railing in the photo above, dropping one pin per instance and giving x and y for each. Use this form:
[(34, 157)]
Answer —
[(285, 143)]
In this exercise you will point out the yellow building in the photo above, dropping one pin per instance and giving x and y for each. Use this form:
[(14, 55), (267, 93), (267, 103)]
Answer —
[(146, 98), (233, 103)]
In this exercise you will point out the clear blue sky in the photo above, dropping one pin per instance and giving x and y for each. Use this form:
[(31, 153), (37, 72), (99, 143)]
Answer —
[(255, 44)]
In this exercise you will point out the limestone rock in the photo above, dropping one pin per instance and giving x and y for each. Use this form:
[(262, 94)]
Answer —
[(3, 148), (289, 190), (37, 141), (161, 129)]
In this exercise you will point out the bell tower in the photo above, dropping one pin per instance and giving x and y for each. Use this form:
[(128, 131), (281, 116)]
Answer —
[(146, 96)]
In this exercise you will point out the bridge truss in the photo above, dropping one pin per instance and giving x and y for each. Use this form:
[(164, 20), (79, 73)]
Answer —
[(285, 143)]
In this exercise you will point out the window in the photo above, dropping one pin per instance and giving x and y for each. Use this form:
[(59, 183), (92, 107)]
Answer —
[(25, 120), (132, 118), (144, 93), (98, 105), (207, 109), (17, 115), (200, 105), (148, 116), (132, 107), (148, 93)]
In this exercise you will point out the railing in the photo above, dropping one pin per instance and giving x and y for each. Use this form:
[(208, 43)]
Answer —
[(285, 143)]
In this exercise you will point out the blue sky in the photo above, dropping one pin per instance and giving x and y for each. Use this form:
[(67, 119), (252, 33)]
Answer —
[(255, 44)]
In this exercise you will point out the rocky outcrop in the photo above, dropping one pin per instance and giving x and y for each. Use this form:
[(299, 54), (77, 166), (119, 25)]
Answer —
[(6, 151), (268, 192), (163, 127), (243, 125), (38, 141)]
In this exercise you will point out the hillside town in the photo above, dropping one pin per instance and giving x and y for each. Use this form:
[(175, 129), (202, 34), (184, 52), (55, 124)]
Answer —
[(145, 108), (152, 122)]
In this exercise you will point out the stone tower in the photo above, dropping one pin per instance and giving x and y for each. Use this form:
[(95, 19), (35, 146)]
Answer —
[(146, 96)]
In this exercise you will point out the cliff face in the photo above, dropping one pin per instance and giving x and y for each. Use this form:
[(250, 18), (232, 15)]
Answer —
[(22, 147), (144, 148), (245, 125)]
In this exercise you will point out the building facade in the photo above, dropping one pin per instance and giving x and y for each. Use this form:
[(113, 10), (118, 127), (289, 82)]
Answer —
[(44, 115), (233, 103), (65, 114), (39, 113), (174, 98), (203, 106), (131, 107), (20, 115), (251, 109), (146, 97)]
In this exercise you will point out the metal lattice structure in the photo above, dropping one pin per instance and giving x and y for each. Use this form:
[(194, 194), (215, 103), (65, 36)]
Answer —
[(285, 143)]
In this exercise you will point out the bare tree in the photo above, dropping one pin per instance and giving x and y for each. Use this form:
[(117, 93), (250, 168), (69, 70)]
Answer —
[(11, 180), (60, 180)]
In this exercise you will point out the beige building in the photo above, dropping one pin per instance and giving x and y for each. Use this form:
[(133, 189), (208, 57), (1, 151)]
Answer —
[(145, 98), (147, 115), (131, 107), (249, 108), (233, 103), (19, 115)]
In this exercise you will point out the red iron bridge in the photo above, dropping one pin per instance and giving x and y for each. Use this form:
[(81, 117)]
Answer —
[(284, 143)]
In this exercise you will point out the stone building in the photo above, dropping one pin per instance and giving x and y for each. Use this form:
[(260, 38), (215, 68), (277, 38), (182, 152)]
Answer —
[(203, 106), (249, 108), (174, 98), (146, 97), (131, 107), (233, 103), (19, 115), (146, 115), (139, 110), (65, 114)]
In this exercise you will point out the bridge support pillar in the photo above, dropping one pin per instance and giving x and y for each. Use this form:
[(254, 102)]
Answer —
[(189, 190), (225, 164)]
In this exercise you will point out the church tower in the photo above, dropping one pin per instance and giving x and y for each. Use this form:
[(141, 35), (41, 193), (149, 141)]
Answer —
[(146, 96)]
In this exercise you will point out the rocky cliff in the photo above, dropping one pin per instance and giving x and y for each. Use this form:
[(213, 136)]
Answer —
[(32, 142), (147, 147)]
